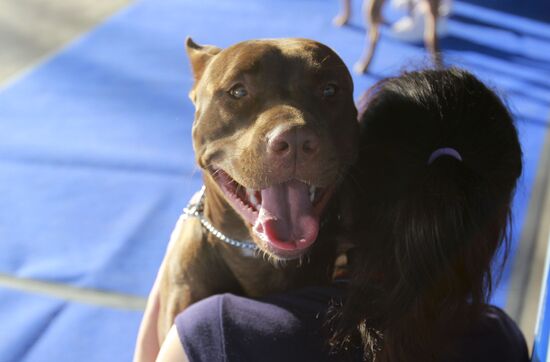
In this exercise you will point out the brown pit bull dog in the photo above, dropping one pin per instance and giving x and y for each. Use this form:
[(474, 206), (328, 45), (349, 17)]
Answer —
[(274, 132)]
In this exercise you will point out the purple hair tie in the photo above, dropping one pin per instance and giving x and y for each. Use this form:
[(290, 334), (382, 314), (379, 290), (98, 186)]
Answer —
[(445, 151)]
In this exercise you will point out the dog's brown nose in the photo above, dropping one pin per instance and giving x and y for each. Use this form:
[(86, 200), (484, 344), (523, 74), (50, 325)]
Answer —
[(293, 143)]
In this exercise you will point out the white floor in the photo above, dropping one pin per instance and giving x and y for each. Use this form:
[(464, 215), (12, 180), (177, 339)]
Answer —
[(32, 29)]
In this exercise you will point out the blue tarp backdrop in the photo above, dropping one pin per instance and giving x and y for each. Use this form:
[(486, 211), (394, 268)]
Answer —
[(96, 160)]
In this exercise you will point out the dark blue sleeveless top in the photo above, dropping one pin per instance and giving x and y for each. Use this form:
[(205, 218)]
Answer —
[(289, 327)]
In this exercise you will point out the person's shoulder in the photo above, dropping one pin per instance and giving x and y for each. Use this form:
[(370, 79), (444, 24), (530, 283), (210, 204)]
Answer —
[(227, 327), (498, 324), (199, 331), (494, 337), (200, 312)]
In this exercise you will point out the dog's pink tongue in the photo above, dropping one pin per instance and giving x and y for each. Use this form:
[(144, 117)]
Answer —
[(286, 217)]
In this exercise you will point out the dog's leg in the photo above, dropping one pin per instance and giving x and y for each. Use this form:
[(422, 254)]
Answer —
[(148, 341), (343, 18), (430, 32), (174, 293), (175, 301), (193, 270), (373, 19)]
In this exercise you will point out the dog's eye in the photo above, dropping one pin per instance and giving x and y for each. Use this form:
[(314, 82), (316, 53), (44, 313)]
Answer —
[(238, 91), (329, 90)]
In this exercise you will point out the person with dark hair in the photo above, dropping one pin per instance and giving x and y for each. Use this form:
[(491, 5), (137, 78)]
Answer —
[(430, 207), (439, 164)]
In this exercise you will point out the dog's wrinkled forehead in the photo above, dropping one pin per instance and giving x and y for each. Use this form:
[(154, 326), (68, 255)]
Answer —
[(281, 60)]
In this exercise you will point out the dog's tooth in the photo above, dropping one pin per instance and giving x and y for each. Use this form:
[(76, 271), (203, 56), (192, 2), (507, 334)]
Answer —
[(258, 195), (252, 197), (312, 193)]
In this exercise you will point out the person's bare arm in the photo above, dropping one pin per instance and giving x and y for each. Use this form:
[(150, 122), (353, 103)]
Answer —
[(147, 344), (172, 350)]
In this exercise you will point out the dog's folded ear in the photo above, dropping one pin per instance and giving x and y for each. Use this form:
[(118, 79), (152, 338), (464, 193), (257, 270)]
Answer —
[(199, 56)]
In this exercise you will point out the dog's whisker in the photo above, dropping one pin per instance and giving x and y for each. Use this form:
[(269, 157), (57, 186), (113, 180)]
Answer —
[(301, 261)]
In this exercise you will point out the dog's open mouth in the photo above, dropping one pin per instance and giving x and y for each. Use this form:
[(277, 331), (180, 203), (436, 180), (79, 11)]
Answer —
[(285, 216)]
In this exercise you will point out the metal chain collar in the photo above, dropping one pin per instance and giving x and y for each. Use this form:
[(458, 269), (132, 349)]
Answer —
[(197, 210)]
